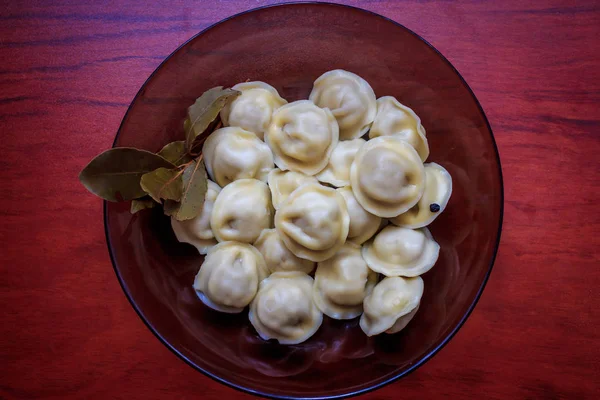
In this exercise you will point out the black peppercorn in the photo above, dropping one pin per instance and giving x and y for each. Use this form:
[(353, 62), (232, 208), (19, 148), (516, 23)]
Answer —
[(434, 207)]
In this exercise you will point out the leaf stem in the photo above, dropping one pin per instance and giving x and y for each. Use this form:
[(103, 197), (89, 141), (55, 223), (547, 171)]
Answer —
[(184, 166), (167, 183), (181, 171)]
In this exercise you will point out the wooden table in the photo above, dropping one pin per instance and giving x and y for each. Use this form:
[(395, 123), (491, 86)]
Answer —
[(69, 70)]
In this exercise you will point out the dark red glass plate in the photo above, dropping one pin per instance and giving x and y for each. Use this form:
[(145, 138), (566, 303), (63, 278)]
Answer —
[(289, 46)]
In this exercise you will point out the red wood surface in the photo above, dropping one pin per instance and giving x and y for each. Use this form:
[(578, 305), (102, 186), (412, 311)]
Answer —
[(68, 70)]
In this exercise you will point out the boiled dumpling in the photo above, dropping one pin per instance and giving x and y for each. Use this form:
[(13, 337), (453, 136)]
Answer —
[(342, 282), (252, 110), (403, 321), (277, 256), (363, 224), (241, 211), (197, 231), (229, 277), (350, 98), (283, 308), (337, 171), (313, 222), (283, 183), (438, 188), (399, 251), (302, 137), (387, 176), (394, 118), (390, 300), (234, 153)]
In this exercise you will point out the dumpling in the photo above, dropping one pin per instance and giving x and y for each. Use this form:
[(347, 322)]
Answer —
[(197, 231), (390, 300), (277, 256), (395, 119), (363, 224), (229, 276), (337, 171), (252, 110), (233, 153), (302, 137), (403, 321), (399, 251), (282, 183), (342, 282), (387, 176), (241, 211), (313, 222), (350, 98), (438, 188), (283, 308)]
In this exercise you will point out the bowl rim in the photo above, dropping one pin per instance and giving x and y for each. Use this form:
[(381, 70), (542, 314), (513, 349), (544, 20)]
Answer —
[(425, 357)]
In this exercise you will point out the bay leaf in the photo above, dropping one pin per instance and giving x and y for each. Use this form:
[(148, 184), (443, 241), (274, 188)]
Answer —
[(195, 184), (115, 174), (205, 110), (175, 152), (141, 204), (170, 207), (163, 183), (187, 125), (196, 147)]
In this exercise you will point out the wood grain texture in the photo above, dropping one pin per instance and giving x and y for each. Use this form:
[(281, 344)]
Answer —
[(68, 70)]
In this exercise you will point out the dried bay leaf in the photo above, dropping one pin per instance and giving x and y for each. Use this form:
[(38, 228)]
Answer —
[(187, 125), (195, 184), (196, 147), (205, 110), (141, 204), (115, 174), (175, 152), (163, 183), (170, 207)]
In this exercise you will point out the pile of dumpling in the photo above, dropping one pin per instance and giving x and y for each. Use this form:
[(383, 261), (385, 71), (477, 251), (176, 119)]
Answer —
[(295, 187)]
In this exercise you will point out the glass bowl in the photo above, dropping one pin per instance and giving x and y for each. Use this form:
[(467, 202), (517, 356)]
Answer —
[(289, 46)]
